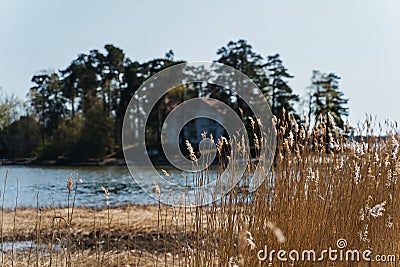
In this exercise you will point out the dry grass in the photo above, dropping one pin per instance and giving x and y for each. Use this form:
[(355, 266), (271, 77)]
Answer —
[(322, 188), (128, 239)]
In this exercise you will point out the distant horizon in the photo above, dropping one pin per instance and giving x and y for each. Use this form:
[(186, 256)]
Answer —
[(358, 41)]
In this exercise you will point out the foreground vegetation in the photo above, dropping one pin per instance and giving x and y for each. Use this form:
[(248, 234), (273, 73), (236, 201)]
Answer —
[(323, 187)]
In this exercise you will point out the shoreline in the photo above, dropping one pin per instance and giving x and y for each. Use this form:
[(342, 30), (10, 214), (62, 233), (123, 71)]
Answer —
[(73, 163), (121, 225), (63, 162)]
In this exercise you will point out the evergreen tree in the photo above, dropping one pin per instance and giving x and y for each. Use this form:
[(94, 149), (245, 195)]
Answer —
[(240, 55), (281, 94), (47, 101), (327, 98)]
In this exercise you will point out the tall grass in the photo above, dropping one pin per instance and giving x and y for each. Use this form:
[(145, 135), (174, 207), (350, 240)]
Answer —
[(322, 187)]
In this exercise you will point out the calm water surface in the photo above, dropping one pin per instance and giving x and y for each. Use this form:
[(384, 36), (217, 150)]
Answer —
[(49, 183)]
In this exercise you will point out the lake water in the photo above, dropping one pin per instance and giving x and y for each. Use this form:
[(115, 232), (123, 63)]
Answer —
[(50, 184)]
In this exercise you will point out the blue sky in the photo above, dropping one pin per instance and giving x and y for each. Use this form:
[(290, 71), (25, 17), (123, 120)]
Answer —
[(358, 40)]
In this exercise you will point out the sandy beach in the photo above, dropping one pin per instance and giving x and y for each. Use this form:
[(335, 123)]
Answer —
[(108, 237)]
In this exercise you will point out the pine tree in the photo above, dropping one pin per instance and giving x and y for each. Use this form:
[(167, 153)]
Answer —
[(47, 101), (240, 55), (281, 94), (327, 97)]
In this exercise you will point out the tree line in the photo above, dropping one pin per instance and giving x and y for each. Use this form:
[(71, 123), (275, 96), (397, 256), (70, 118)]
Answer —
[(77, 112)]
